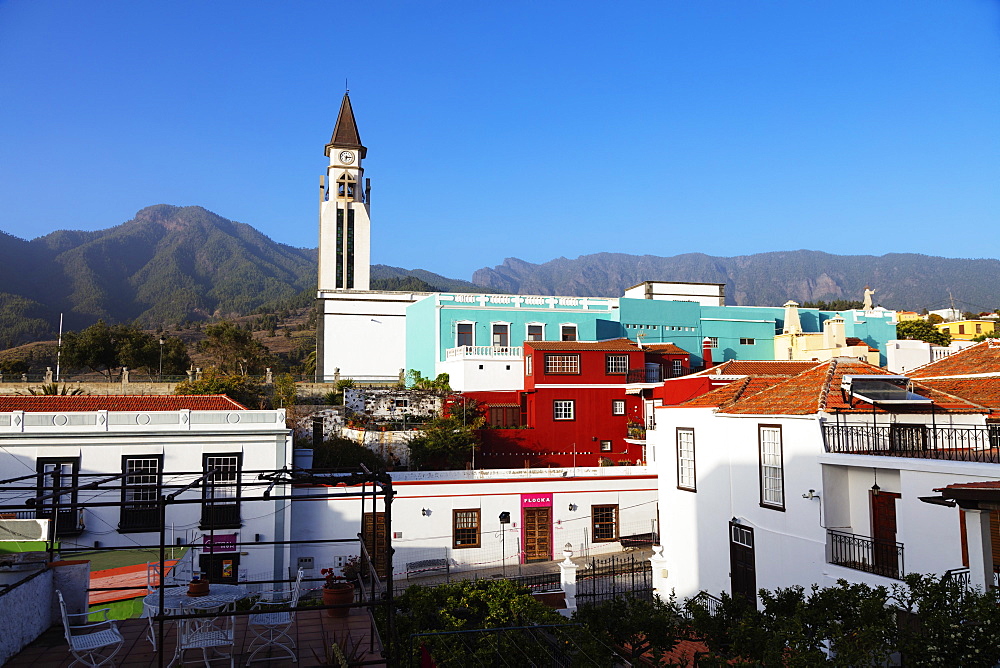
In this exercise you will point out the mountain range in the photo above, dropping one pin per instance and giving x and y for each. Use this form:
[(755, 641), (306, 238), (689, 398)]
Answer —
[(901, 280), (173, 264)]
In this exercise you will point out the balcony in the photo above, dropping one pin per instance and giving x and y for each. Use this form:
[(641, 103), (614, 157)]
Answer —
[(488, 352), (220, 516), (139, 517), (963, 444), (650, 375), (70, 519), (865, 554)]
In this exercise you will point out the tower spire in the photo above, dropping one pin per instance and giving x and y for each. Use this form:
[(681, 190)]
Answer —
[(345, 132)]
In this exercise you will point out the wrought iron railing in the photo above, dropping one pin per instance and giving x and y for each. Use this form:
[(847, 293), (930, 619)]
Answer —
[(861, 553), (139, 517), (712, 604), (650, 375), (220, 515), (966, 444)]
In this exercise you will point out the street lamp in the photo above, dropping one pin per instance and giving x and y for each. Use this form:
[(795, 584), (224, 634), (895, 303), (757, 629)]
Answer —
[(159, 377)]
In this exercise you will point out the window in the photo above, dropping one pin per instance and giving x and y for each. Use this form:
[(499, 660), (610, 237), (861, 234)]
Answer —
[(562, 364), (961, 329), (401, 403), (563, 410), (527, 365), (464, 335), (140, 491), (504, 417), (616, 363), (743, 342), (220, 506), (567, 332), (535, 332), (605, 523), (501, 335), (56, 473), (685, 459), (618, 407), (677, 367), (713, 342), (772, 474), (605, 446), (979, 328), (345, 185), (465, 528)]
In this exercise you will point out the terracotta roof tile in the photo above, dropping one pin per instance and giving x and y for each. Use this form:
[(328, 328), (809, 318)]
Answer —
[(46, 404), (855, 341), (760, 368), (731, 392), (612, 345), (666, 349), (980, 358), (986, 484), (982, 391)]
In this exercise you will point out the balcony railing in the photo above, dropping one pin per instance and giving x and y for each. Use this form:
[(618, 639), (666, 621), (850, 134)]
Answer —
[(650, 375), (70, 519), (139, 517), (462, 352), (220, 516), (964, 444), (865, 554)]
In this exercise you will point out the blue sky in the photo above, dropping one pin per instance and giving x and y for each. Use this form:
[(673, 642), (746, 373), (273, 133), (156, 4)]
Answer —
[(525, 129)]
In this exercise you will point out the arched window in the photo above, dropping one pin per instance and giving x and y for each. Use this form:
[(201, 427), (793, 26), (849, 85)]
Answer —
[(345, 185)]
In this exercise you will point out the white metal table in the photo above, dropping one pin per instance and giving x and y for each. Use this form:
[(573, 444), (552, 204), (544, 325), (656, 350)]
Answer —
[(176, 598)]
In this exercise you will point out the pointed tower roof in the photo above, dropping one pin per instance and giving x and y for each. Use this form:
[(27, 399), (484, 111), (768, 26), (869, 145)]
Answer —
[(345, 132)]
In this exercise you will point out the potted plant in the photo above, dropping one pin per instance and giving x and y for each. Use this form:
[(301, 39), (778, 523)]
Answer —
[(336, 591), (352, 568)]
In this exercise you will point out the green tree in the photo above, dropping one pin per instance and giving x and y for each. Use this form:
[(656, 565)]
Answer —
[(472, 605), (93, 348), (234, 349), (13, 367), (241, 389), (284, 391), (919, 330), (342, 453), (103, 348), (418, 382), (445, 443), (642, 626)]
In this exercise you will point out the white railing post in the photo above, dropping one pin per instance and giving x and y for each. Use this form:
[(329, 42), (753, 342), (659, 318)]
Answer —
[(660, 573), (567, 579)]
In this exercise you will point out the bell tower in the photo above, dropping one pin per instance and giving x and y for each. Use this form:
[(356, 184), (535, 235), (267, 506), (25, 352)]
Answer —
[(344, 221)]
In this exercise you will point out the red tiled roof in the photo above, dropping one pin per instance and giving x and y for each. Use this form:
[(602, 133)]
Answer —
[(611, 345), (986, 484), (760, 368), (727, 394), (666, 349), (855, 341), (980, 358), (982, 391), (819, 390), (47, 404)]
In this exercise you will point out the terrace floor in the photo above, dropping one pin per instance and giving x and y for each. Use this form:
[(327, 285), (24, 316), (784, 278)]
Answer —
[(312, 630)]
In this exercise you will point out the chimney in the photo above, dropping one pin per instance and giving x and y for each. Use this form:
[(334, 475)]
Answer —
[(706, 351), (834, 333), (792, 324)]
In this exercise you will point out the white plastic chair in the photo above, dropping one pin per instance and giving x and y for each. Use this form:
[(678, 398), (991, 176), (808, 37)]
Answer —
[(93, 644), (206, 633), (271, 625)]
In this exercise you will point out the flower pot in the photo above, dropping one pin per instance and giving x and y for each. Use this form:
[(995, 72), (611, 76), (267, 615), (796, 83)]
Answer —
[(198, 588), (338, 594)]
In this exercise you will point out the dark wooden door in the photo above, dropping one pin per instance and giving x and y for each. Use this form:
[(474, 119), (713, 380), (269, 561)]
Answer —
[(742, 564), (537, 534), (885, 555), (375, 537), (222, 568)]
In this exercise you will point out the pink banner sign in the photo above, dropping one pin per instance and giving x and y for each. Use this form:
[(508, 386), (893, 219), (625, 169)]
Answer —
[(224, 542), (536, 500)]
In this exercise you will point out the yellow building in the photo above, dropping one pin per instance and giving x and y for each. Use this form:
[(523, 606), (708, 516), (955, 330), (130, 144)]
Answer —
[(794, 344), (964, 330), (903, 316)]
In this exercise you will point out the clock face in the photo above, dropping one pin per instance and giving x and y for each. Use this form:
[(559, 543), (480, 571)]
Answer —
[(346, 157)]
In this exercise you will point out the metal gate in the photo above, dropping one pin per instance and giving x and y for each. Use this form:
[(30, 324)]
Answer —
[(613, 577)]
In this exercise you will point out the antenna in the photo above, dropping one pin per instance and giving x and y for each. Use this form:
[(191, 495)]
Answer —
[(952, 299), (347, 90)]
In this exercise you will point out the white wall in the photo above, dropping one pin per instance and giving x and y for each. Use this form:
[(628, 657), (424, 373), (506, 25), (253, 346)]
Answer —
[(417, 536), (471, 375), (364, 333), (182, 438), (903, 355)]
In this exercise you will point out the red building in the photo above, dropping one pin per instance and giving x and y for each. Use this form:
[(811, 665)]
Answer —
[(582, 404)]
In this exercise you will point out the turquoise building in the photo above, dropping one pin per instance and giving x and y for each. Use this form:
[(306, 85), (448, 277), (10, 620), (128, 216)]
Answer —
[(477, 322)]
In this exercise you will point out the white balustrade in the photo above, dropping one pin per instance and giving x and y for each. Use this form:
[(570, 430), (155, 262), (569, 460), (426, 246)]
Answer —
[(484, 351)]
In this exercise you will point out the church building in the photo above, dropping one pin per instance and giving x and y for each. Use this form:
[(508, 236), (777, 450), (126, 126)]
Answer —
[(360, 331)]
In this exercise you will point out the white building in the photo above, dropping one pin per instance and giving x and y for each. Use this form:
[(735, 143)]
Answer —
[(706, 294), (137, 448), (824, 476), (360, 332), (454, 517), (905, 355)]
